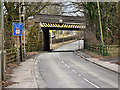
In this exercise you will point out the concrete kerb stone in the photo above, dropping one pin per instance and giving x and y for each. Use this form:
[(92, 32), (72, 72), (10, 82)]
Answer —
[(103, 64), (38, 79), (33, 74)]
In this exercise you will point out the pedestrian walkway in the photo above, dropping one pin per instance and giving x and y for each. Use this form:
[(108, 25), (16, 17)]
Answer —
[(100, 62), (23, 75)]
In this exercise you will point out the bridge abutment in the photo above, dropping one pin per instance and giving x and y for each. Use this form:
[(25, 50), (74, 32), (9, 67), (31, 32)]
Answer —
[(46, 46)]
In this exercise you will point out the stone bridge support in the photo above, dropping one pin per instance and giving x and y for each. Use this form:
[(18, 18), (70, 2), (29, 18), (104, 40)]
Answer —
[(46, 45)]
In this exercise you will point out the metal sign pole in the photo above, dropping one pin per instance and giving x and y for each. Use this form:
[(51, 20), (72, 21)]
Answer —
[(17, 31), (18, 50)]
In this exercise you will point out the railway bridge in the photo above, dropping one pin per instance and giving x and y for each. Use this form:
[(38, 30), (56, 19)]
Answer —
[(58, 22)]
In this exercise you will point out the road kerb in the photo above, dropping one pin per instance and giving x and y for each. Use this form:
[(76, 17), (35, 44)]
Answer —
[(38, 78), (95, 62)]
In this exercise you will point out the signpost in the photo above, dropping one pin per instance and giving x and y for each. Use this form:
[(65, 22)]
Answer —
[(17, 31)]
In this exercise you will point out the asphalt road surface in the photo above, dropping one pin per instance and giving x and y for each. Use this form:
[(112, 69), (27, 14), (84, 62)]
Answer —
[(62, 68)]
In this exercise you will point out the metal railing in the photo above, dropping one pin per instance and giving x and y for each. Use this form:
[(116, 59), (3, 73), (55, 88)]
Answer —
[(64, 39)]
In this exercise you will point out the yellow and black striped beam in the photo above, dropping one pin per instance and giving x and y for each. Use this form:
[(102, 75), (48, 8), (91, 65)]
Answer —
[(57, 25)]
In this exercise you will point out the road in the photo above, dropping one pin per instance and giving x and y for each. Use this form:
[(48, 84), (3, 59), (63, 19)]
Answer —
[(62, 68)]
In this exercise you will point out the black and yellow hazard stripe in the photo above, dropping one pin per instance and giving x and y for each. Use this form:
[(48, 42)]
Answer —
[(62, 26)]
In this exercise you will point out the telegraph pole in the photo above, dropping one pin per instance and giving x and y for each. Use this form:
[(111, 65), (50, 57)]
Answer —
[(18, 61), (101, 32), (21, 56), (24, 26), (100, 23), (2, 61)]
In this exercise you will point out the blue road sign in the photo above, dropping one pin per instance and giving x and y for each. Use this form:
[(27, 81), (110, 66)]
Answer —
[(17, 29)]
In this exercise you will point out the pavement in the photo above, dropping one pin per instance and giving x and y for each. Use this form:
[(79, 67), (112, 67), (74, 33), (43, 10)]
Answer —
[(23, 75), (101, 62), (33, 72)]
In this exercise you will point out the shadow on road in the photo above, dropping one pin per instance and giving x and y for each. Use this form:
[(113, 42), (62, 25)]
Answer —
[(62, 51)]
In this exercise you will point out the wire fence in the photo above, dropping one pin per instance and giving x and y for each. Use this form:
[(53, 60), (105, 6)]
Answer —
[(106, 50)]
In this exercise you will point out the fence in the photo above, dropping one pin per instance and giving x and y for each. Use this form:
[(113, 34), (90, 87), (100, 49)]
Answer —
[(11, 55), (106, 50), (64, 39)]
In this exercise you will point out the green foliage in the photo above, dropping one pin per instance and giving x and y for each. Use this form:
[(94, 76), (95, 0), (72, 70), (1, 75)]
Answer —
[(0, 29), (109, 17), (33, 39), (11, 14), (0, 15)]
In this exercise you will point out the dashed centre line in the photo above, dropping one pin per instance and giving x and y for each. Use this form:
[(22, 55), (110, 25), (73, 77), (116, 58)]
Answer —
[(79, 74), (59, 57), (67, 66), (74, 71), (91, 83), (63, 62)]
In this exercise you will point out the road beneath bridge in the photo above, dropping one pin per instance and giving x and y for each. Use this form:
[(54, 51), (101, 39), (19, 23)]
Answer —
[(58, 22), (62, 68)]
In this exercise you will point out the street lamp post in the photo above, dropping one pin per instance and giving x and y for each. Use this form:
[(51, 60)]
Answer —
[(24, 27)]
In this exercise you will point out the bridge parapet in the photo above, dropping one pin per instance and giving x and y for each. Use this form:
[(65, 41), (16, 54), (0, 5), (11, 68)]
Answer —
[(55, 19)]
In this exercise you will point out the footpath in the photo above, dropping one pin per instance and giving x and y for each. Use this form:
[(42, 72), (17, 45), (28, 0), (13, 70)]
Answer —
[(23, 75)]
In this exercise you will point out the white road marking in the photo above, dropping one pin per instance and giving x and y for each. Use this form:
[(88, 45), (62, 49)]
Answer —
[(67, 66), (59, 57), (91, 83), (36, 72), (79, 75), (63, 61), (74, 71)]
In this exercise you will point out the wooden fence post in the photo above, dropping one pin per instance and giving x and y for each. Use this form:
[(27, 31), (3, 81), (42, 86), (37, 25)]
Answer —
[(4, 65), (0, 70)]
